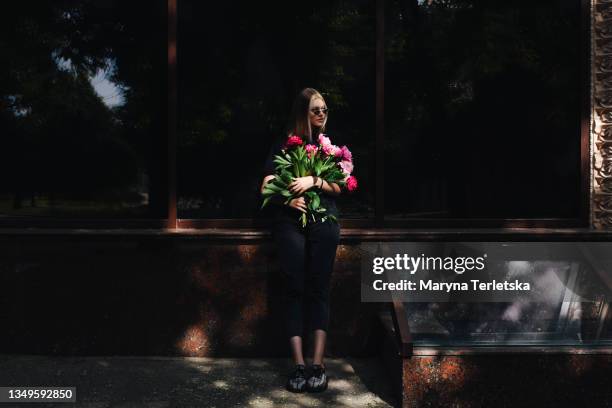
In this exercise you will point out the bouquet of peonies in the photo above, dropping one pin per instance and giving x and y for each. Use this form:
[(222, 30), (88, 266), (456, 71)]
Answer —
[(332, 163)]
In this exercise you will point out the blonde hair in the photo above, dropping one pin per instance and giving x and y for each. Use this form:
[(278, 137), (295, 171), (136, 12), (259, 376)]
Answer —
[(299, 122)]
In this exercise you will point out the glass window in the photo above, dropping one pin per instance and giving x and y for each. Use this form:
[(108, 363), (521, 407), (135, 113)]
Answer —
[(240, 66), (482, 109), (482, 105), (82, 108)]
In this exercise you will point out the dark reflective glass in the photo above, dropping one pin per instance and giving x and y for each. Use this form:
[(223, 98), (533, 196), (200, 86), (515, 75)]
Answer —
[(482, 109), (241, 63), (82, 108)]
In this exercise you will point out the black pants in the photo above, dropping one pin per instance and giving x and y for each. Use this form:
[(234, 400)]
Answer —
[(306, 257)]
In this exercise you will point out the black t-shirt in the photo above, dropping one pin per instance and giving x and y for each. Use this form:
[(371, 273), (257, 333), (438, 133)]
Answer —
[(328, 201)]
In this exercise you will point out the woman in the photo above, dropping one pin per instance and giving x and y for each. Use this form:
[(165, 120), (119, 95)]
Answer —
[(306, 254)]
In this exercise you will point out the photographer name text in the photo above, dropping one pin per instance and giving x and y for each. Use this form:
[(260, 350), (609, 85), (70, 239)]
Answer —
[(473, 284)]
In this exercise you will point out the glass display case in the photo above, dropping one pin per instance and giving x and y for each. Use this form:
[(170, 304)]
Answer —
[(567, 304)]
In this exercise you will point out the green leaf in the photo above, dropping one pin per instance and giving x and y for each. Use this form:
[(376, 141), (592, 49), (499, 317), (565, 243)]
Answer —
[(271, 186), (316, 200), (280, 160), (286, 176), (280, 183), (265, 201), (299, 169)]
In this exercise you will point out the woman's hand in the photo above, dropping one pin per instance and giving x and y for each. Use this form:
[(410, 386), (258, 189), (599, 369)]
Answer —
[(298, 203), (301, 184), (265, 181)]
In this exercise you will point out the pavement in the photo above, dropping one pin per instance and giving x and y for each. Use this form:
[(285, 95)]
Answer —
[(169, 382)]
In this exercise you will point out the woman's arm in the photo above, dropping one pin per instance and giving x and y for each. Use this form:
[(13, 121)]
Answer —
[(330, 188), (301, 184)]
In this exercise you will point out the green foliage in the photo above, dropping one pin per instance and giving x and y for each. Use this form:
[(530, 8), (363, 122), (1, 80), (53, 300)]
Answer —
[(64, 137)]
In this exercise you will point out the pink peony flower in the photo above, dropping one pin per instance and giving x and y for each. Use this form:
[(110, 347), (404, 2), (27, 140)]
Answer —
[(323, 140), (329, 149), (351, 184), (338, 152), (332, 150), (346, 154), (293, 141), (346, 166), (311, 150)]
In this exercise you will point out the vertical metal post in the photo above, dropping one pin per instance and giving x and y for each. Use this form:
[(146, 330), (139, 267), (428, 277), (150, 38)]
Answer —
[(172, 114), (379, 204)]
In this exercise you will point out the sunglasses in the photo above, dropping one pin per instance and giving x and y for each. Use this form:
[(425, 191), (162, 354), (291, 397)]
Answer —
[(318, 111)]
